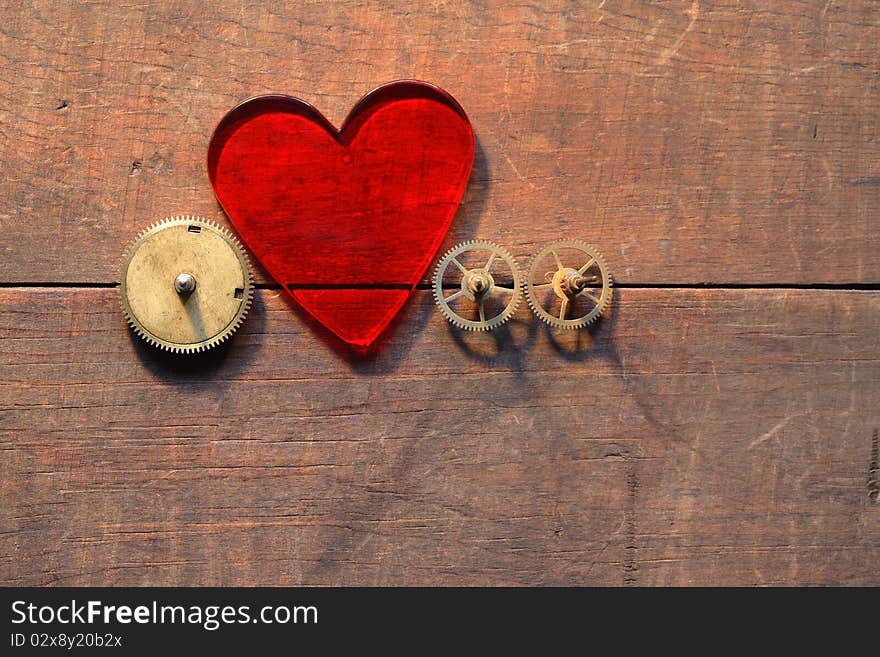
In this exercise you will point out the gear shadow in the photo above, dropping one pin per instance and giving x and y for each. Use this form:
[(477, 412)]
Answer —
[(233, 356), (501, 346), (571, 346), (580, 345), (590, 342)]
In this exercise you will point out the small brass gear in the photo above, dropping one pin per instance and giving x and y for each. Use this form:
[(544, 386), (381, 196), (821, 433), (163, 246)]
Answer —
[(574, 275), (477, 285), (186, 284)]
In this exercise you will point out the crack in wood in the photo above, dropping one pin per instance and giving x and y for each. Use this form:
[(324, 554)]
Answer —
[(874, 468), (631, 549)]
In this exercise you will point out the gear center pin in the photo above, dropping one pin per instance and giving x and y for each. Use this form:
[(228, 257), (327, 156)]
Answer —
[(186, 284)]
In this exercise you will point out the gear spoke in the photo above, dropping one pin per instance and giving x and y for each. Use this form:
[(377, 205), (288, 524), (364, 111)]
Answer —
[(587, 266), (460, 266), (489, 262), (454, 296), (559, 264), (562, 309)]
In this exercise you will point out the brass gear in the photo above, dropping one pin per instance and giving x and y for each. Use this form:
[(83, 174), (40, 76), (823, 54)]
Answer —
[(569, 283), (477, 285), (186, 284)]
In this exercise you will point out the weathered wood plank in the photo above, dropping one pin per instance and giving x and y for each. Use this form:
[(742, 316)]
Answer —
[(728, 440), (691, 141)]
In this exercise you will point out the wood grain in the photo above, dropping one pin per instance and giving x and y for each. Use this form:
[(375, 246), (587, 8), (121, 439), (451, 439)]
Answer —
[(728, 440), (696, 436), (692, 141)]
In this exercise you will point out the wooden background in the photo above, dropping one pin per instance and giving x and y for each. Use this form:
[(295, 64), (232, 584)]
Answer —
[(720, 427)]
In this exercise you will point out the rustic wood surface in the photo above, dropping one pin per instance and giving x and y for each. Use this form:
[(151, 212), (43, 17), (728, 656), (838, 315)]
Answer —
[(728, 440), (694, 141), (719, 427)]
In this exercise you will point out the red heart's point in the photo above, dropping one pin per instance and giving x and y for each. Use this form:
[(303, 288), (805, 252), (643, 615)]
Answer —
[(348, 220)]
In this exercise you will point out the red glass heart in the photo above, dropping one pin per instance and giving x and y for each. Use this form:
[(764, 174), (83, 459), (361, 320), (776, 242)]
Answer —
[(347, 220)]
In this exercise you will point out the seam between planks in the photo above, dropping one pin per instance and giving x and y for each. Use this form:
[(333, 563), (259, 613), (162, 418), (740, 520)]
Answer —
[(428, 286)]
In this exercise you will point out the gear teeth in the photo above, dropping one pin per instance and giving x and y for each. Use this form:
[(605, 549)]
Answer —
[(454, 318), (240, 316), (545, 316)]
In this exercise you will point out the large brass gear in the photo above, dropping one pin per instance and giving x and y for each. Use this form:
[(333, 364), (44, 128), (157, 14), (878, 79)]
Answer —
[(477, 285), (578, 280), (186, 284)]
